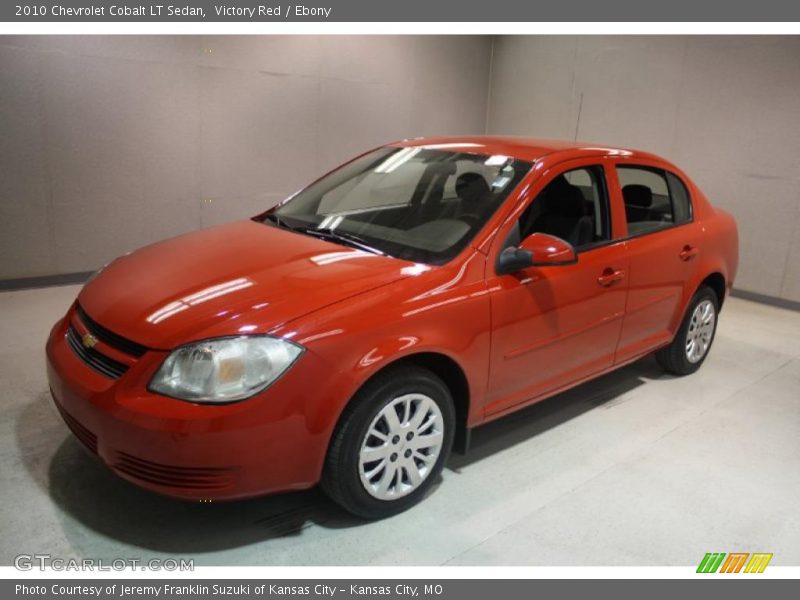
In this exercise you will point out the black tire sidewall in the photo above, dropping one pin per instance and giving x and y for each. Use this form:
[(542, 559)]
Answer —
[(687, 367), (368, 403)]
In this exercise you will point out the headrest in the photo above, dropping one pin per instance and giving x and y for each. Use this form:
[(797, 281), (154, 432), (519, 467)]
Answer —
[(471, 187), (564, 199), (637, 195)]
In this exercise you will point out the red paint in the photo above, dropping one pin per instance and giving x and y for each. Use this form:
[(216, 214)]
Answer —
[(517, 338)]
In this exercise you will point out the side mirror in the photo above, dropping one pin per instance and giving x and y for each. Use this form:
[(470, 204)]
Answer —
[(536, 250)]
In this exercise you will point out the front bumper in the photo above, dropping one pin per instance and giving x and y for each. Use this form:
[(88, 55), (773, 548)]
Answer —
[(274, 441)]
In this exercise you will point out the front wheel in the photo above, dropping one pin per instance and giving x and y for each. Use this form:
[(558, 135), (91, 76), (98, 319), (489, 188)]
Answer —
[(391, 443), (693, 340)]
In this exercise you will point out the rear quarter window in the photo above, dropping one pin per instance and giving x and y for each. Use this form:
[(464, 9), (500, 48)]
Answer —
[(681, 202)]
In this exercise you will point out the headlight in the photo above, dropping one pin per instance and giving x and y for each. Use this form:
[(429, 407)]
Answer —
[(224, 369)]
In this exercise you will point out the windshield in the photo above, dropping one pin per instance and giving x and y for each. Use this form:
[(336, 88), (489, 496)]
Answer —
[(420, 204)]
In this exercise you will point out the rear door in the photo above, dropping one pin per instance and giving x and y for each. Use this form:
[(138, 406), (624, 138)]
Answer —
[(663, 246)]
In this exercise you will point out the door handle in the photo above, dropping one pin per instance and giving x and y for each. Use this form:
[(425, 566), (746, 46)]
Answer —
[(610, 276), (688, 252)]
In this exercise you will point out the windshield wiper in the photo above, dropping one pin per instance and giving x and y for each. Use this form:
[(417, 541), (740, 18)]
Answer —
[(278, 221), (327, 234), (341, 237)]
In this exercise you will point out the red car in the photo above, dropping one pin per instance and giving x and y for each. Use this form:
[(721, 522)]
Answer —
[(352, 335)]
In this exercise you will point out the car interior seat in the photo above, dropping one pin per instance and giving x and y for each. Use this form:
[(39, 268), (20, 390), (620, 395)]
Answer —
[(474, 193), (638, 202), (426, 201), (564, 213)]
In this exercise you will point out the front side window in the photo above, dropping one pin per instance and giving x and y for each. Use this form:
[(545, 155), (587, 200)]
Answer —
[(654, 199), (573, 207), (419, 204)]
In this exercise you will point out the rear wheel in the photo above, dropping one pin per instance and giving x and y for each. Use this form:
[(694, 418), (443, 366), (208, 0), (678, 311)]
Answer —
[(689, 349), (391, 443)]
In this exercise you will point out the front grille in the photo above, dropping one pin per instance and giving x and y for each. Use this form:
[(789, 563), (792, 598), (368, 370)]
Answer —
[(99, 362), (109, 337), (199, 478), (86, 437)]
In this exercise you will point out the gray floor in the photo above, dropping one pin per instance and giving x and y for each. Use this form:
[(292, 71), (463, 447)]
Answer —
[(636, 468)]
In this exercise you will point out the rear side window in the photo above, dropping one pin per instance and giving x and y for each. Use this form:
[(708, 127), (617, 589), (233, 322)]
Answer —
[(654, 199)]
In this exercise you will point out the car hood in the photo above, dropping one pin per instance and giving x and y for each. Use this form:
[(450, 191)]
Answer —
[(243, 277)]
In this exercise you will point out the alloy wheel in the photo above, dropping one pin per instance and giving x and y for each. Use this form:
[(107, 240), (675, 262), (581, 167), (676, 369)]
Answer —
[(701, 331), (401, 446)]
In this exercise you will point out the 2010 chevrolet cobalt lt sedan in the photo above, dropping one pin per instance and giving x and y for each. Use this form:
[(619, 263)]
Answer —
[(354, 334)]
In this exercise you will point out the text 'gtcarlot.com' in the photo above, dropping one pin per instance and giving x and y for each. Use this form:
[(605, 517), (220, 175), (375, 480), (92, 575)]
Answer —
[(29, 562)]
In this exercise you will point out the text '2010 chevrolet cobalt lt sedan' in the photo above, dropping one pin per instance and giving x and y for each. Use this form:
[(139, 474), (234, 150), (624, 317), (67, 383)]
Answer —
[(353, 334)]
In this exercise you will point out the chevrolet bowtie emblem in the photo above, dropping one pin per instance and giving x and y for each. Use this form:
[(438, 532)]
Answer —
[(88, 340)]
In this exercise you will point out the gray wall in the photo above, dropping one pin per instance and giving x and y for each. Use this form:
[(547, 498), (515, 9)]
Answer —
[(725, 109), (108, 143)]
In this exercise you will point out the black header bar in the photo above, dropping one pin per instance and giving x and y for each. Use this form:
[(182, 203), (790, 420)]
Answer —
[(399, 11)]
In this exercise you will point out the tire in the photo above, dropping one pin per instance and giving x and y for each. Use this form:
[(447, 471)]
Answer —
[(677, 358), (357, 482)]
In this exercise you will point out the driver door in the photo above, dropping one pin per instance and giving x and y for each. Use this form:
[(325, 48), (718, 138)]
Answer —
[(557, 325)]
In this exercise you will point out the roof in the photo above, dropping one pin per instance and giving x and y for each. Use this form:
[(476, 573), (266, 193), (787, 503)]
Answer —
[(524, 148)]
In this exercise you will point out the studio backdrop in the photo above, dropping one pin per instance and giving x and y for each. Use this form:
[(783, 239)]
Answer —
[(109, 143)]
